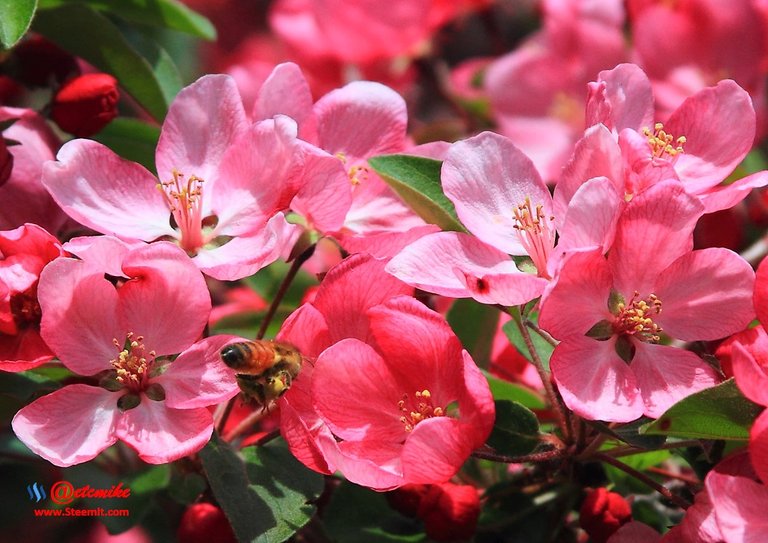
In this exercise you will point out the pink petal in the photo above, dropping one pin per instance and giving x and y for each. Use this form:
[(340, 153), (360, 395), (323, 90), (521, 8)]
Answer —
[(373, 464), (69, 426), (666, 375), (739, 504), (726, 196), (751, 377), (349, 290), (203, 121), (435, 450), (591, 216), (166, 301), (259, 175), (103, 252), (579, 298), (326, 192), (654, 230), (758, 445), (628, 96), (360, 120), (286, 92), (355, 393), (594, 382), (307, 330), (23, 351), (761, 291), (305, 438), (161, 434), (198, 377), (635, 532), (461, 266), (710, 155), (102, 191), (596, 154), (80, 317), (245, 255), (705, 295), (385, 244), (487, 178)]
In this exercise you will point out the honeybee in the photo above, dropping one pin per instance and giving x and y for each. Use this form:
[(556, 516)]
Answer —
[(264, 369)]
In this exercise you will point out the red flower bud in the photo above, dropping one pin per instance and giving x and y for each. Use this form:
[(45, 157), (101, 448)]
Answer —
[(6, 162), (204, 523), (86, 104), (407, 499), (450, 512), (602, 513)]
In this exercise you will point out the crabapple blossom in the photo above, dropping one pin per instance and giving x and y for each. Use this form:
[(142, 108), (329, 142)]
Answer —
[(24, 252), (223, 183), (751, 373), (386, 421), (123, 333), (609, 313), (505, 205)]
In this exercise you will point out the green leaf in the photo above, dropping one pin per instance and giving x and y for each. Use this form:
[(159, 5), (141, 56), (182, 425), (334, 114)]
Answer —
[(543, 347), (504, 390), (185, 488), (516, 429), (83, 32), (163, 13), (630, 433), (15, 17), (357, 514), (165, 71), (417, 181), (475, 325), (640, 462), (131, 139), (720, 412), (266, 494), (26, 385)]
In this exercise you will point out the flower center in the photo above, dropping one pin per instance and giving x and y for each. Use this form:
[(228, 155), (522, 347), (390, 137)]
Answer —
[(662, 144), (418, 408), (25, 309), (536, 233), (635, 318), (133, 363), (184, 199), (356, 174)]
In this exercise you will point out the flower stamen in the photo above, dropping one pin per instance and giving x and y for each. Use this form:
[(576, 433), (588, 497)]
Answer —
[(662, 144), (133, 363), (536, 233), (417, 410), (184, 200), (635, 318)]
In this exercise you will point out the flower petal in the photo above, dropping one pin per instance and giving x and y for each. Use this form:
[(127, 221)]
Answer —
[(758, 445), (69, 426), (286, 92), (161, 434), (436, 449), (487, 178), (666, 375), (594, 382), (739, 504), (198, 377), (751, 377), (102, 191), (705, 295)]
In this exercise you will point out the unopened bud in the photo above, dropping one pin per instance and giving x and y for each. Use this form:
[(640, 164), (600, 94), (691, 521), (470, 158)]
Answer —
[(204, 523), (86, 104), (602, 513)]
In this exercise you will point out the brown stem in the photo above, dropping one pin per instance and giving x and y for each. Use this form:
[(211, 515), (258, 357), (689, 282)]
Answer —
[(546, 456), (693, 481), (642, 477), (266, 438), (244, 425), (544, 335)]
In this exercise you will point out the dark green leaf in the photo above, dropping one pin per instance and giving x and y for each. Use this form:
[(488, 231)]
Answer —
[(24, 385), (186, 488), (475, 325), (357, 514), (266, 494), (85, 33), (163, 13), (504, 390), (516, 429), (15, 16), (417, 181), (166, 73), (720, 412), (543, 347)]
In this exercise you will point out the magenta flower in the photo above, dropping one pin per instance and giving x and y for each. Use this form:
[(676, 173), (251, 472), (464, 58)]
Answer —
[(386, 421), (222, 183), (611, 313), (123, 334), (24, 252), (502, 200)]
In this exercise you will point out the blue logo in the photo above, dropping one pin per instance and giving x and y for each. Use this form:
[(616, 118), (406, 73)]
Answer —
[(36, 492)]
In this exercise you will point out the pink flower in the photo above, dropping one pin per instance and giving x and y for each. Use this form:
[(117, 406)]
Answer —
[(24, 252), (383, 416), (700, 144), (24, 198), (610, 313), (502, 200), (537, 91), (123, 333), (223, 183)]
